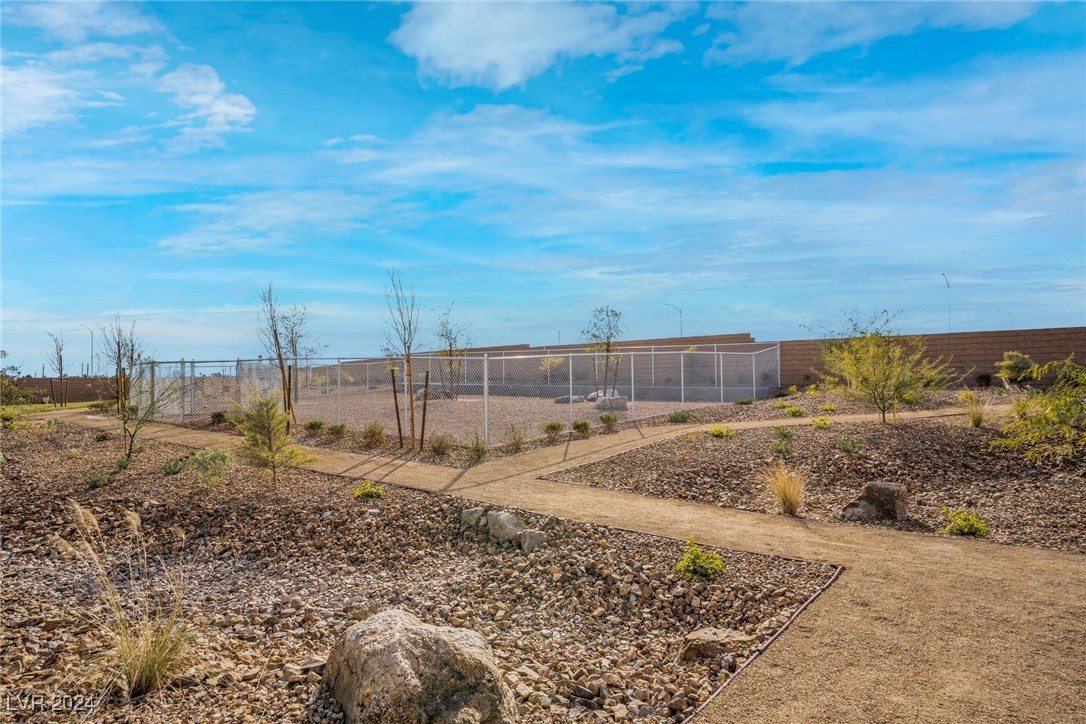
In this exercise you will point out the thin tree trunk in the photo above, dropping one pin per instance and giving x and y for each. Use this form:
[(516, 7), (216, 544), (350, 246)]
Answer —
[(411, 399)]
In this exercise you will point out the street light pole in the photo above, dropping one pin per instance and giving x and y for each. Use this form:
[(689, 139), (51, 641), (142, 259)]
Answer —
[(559, 332), (668, 304), (947, 303), (91, 368)]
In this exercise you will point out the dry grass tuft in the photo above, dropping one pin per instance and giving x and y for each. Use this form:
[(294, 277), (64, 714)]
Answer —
[(975, 412), (786, 485), (142, 614)]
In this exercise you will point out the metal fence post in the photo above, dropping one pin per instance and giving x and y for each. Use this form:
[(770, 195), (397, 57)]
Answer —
[(633, 395), (570, 392), (652, 358), (486, 400), (339, 387), (753, 376), (715, 370), (720, 364), (181, 400), (154, 411), (192, 387), (237, 382), (682, 382)]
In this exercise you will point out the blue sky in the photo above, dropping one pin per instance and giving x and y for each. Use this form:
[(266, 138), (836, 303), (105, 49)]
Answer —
[(762, 166)]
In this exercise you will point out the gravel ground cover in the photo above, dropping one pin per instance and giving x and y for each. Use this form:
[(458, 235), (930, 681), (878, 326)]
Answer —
[(941, 461), (276, 572)]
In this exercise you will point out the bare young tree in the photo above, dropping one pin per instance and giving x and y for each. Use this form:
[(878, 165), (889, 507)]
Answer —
[(453, 342), (401, 328), (123, 350), (56, 362), (272, 335), (299, 342), (602, 332)]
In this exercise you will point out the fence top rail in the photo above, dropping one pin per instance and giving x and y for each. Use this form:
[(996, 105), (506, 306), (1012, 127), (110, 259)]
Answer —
[(542, 354)]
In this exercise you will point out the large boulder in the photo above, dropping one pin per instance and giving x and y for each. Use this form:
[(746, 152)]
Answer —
[(714, 643), (879, 500), (394, 668), (566, 399), (505, 527), (612, 404)]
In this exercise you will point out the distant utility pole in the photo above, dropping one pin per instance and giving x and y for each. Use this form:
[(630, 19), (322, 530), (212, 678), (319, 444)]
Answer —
[(947, 303), (559, 333), (668, 304)]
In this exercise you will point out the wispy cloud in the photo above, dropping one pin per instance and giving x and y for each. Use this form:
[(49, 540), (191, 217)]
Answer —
[(35, 96), (73, 22), (214, 112), (502, 45)]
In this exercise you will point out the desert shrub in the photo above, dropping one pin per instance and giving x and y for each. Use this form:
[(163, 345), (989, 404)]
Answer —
[(143, 617), (745, 401), (1051, 425), (103, 405), (820, 423), (959, 522), (782, 432), (219, 417), (212, 464), (267, 444), (827, 407), (967, 396), (781, 405), (552, 430), (609, 420), (781, 447), (698, 565), (581, 427), (173, 467), (721, 431), (440, 445), (1015, 368), (786, 485), (368, 489), (314, 427), (123, 462), (101, 436), (793, 391), (96, 479), (975, 412), (477, 449), (680, 416), (514, 438), (794, 411), (339, 429), (781, 393), (910, 398), (850, 446), (373, 434), (813, 391)]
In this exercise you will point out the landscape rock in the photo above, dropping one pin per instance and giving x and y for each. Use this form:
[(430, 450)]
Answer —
[(566, 399), (886, 501), (505, 527), (714, 642), (592, 397), (532, 539), (616, 403), (473, 517), (394, 668)]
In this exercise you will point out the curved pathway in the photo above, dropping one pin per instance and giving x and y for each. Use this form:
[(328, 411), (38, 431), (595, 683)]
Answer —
[(918, 628)]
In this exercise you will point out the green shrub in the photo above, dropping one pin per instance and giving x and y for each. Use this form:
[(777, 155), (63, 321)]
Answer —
[(820, 423), (721, 431), (173, 467), (698, 565), (337, 430), (910, 398), (477, 449), (123, 462), (1052, 424), (1014, 368), (581, 427), (781, 393), (552, 430), (813, 391), (440, 445), (101, 436), (794, 411), (960, 522), (96, 479), (850, 446), (827, 407), (212, 464), (609, 420), (679, 417), (103, 405), (781, 405), (783, 432), (369, 489), (781, 447), (218, 417), (314, 427), (373, 434), (745, 401), (514, 438), (267, 444), (975, 412), (793, 391)]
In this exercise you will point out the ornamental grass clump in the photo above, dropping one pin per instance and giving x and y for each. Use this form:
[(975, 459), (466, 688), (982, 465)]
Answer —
[(698, 565), (552, 430), (514, 438), (477, 449), (582, 427), (682, 416), (373, 434), (786, 485), (267, 444), (440, 445), (609, 420)]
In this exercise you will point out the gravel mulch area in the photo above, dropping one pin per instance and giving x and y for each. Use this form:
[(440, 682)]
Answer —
[(277, 572), (941, 461)]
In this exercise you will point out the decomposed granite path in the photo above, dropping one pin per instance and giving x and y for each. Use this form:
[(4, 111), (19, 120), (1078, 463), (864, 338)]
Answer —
[(918, 628)]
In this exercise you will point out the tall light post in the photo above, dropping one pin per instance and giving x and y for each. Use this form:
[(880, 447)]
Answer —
[(90, 368), (947, 303), (668, 304), (558, 332)]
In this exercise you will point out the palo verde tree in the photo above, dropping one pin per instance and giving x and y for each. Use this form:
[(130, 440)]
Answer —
[(1051, 426), (401, 329), (602, 332), (870, 364), (453, 343)]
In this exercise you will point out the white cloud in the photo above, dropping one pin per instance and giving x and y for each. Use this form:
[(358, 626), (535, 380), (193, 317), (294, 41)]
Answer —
[(214, 112), (502, 45), (73, 22), (34, 96), (145, 60), (798, 31)]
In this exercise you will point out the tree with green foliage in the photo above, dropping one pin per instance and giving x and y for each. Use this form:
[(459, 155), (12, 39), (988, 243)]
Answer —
[(872, 365), (602, 333), (267, 444), (1015, 368), (1052, 427)]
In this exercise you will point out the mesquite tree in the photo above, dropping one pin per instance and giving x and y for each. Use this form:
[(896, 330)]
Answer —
[(454, 342), (602, 332), (401, 328)]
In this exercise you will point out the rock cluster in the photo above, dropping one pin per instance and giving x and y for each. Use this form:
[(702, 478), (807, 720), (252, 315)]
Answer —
[(879, 500), (612, 404), (502, 528)]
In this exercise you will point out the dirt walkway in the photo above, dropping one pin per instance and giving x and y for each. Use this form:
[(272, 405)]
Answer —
[(918, 628)]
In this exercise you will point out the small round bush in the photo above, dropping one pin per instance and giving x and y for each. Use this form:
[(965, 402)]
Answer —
[(698, 565), (337, 430), (314, 427), (609, 420), (440, 445), (679, 417), (373, 434), (552, 430), (581, 427)]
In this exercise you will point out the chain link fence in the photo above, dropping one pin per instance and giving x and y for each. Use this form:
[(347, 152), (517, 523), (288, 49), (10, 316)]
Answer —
[(482, 395)]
